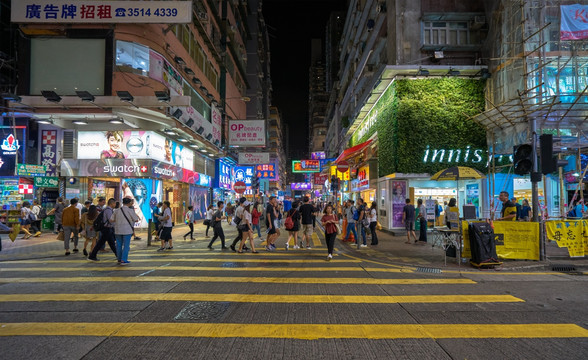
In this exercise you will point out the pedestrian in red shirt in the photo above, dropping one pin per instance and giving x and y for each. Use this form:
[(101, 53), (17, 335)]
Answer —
[(255, 215), (330, 222)]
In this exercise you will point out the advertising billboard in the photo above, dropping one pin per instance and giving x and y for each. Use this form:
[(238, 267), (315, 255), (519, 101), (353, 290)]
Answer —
[(139, 190), (249, 158), (106, 168), (247, 133), (199, 199), (223, 175), (266, 171), (319, 155), (133, 145), (301, 186), (305, 166), (12, 146), (86, 12), (243, 173)]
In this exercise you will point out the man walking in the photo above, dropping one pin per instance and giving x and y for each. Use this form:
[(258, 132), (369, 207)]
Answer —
[(107, 231), (239, 214), (423, 222), (271, 217), (71, 224), (307, 212), (217, 228), (408, 220), (359, 224)]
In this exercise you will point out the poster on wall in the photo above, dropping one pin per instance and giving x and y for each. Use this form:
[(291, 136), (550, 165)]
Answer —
[(199, 200), (133, 145), (473, 195), (399, 196), (49, 151), (139, 190)]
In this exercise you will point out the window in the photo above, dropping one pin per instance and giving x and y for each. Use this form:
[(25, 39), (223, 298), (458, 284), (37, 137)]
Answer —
[(132, 55), (457, 33), (197, 102)]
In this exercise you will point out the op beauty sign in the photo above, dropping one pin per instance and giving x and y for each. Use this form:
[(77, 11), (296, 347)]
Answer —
[(247, 133), (133, 145)]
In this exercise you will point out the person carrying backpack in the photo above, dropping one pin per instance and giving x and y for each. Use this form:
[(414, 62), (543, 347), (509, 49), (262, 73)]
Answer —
[(352, 216), (292, 224), (101, 224), (40, 214)]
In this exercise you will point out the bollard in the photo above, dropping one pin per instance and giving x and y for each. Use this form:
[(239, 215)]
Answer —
[(149, 231)]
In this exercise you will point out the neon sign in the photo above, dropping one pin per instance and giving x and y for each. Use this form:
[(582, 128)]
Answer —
[(299, 166), (453, 155)]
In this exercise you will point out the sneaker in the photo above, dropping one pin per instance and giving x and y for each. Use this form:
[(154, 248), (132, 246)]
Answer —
[(210, 247), (37, 234), (67, 253), (93, 259), (329, 257), (268, 248), (233, 248), (287, 246), (170, 248), (123, 263), (85, 252), (308, 248), (363, 245), (160, 249), (296, 247), (76, 250), (225, 248), (273, 246)]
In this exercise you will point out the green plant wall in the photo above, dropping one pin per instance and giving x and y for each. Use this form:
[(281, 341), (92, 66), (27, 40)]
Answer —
[(412, 114)]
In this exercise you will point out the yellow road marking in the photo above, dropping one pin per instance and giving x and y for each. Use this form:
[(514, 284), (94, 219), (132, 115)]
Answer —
[(201, 268), (235, 279), (297, 331), (249, 298), (316, 241), (248, 260)]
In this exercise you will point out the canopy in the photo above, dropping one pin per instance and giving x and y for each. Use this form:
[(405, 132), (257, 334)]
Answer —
[(353, 151)]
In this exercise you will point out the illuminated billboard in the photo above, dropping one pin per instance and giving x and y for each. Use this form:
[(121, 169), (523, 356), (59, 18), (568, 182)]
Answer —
[(305, 166), (301, 186)]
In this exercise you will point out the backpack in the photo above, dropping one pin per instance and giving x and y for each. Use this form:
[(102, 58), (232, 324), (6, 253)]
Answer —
[(31, 216), (355, 214), (98, 223), (289, 222), (42, 213)]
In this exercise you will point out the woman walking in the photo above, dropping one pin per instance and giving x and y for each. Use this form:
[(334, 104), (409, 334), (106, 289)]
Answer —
[(294, 214), (208, 222), (190, 222), (36, 224), (26, 218), (58, 211), (166, 226), (88, 228), (123, 219), (330, 222), (248, 232), (373, 219), (255, 215)]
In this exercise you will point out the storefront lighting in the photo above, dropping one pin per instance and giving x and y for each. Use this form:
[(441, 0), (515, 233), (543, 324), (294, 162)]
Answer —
[(162, 96), (179, 60), (204, 89), (116, 121), (85, 96), (210, 96), (188, 71), (196, 81), (209, 137), (11, 97), (182, 140), (576, 174), (200, 130), (45, 121), (177, 114), (190, 122), (51, 96), (204, 151), (125, 96), (169, 132), (80, 122)]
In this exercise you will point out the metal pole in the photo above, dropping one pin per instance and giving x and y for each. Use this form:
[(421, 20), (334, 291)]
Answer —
[(535, 177), (149, 231)]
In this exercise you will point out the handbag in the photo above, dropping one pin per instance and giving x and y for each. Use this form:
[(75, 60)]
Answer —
[(338, 228), (60, 236), (206, 222)]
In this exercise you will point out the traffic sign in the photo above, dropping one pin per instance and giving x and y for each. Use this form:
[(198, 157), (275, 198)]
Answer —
[(343, 166), (239, 187)]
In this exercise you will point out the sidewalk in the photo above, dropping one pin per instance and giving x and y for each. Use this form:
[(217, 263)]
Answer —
[(393, 249)]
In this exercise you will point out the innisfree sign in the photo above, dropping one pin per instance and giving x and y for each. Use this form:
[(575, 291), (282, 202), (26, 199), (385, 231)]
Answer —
[(466, 155)]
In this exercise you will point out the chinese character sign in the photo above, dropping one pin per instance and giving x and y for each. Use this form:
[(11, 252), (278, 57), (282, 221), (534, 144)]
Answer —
[(570, 234), (80, 11), (574, 22), (223, 178), (266, 171), (49, 151), (299, 166), (247, 133), (243, 173)]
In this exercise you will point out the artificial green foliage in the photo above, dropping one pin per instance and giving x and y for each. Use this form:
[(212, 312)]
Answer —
[(415, 113)]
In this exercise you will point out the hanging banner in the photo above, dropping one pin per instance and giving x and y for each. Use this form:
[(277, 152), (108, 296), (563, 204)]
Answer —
[(49, 151), (569, 234), (517, 240), (30, 170), (86, 12), (248, 158), (574, 22), (247, 133)]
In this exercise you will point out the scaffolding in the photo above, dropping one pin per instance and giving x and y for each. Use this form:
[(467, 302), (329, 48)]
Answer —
[(537, 79)]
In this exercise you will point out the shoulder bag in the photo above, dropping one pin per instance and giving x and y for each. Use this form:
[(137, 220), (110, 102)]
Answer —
[(125, 215)]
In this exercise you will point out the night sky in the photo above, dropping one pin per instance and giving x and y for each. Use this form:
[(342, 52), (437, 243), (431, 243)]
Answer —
[(292, 24)]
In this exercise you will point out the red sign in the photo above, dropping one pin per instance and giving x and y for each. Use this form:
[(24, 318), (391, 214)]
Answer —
[(320, 179), (239, 187), (343, 166)]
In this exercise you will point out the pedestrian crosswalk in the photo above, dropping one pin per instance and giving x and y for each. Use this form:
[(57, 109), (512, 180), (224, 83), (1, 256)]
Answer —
[(290, 280)]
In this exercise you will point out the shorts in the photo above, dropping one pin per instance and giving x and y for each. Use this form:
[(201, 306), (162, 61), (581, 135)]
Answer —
[(166, 234), (307, 229), (271, 231), (409, 225), (277, 224)]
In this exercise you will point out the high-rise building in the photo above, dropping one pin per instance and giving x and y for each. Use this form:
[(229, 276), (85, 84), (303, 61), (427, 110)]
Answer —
[(317, 98)]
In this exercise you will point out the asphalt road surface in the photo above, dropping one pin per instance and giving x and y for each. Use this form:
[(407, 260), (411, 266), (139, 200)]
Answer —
[(193, 303)]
